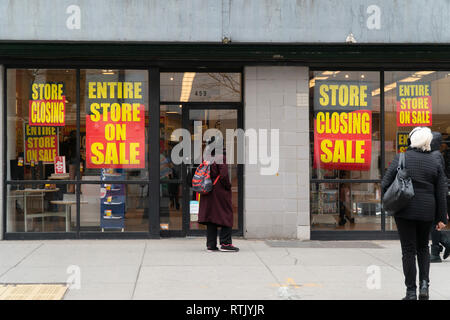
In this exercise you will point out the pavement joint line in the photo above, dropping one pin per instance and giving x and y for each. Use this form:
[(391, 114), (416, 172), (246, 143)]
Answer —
[(139, 270), (265, 265), (381, 260), (21, 260)]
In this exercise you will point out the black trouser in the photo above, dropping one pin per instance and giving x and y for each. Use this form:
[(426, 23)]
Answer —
[(211, 235), (414, 237), (341, 210), (435, 236)]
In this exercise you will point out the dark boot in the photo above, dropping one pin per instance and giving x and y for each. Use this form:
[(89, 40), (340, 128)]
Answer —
[(434, 256), (446, 243), (446, 253), (423, 290), (410, 295), (342, 221)]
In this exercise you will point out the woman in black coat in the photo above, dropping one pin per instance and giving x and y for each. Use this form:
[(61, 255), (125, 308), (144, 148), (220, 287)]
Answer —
[(428, 205), (438, 238)]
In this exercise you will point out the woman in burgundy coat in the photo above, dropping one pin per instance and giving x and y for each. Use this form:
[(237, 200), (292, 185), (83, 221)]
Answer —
[(216, 208)]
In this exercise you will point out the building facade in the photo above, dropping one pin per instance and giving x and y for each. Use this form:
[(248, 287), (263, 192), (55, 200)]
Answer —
[(321, 93)]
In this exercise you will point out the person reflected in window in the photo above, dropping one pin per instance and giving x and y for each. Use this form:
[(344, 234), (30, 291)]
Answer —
[(174, 186), (345, 205)]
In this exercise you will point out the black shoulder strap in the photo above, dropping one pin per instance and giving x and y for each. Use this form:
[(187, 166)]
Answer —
[(402, 161)]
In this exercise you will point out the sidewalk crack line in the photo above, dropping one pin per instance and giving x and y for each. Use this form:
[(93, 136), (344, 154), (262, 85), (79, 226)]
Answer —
[(266, 266), (139, 270), (21, 260)]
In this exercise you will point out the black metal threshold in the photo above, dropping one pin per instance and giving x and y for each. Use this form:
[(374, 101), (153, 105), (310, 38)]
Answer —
[(315, 235), (81, 236), (353, 235), (357, 235)]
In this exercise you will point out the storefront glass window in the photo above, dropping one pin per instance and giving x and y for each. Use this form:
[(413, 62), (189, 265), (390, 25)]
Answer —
[(345, 145), (412, 99), (345, 206), (114, 124), (41, 145), (114, 135), (345, 125), (42, 138), (41, 122)]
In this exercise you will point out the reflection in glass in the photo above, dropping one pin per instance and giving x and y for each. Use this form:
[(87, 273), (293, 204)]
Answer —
[(40, 209), (102, 204), (171, 203), (345, 206), (396, 133)]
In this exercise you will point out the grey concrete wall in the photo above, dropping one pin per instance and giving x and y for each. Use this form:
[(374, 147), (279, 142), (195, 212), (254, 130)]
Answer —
[(277, 206), (285, 21)]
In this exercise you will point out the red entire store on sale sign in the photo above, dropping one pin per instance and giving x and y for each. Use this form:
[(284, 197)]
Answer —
[(115, 132), (116, 141)]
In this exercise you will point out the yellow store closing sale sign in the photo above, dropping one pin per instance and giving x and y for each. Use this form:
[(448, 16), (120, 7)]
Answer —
[(47, 106), (342, 125)]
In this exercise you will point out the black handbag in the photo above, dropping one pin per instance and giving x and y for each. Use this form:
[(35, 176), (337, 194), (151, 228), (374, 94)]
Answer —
[(401, 191)]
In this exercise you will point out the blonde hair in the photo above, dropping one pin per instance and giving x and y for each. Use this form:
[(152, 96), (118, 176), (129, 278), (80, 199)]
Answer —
[(421, 138)]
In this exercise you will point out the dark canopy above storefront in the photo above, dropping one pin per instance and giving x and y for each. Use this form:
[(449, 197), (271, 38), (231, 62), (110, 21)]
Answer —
[(218, 54)]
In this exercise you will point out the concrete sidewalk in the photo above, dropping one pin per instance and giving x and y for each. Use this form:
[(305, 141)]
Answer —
[(182, 269)]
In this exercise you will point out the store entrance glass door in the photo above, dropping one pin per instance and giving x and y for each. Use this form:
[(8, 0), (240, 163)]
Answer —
[(198, 119)]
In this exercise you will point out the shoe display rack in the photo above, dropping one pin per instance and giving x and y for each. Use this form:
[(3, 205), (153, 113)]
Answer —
[(112, 200)]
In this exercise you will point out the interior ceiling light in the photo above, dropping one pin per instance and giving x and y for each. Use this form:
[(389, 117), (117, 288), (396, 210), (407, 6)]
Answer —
[(107, 71), (330, 73), (424, 73), (312, 82), (386, 88), (186, 88)]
